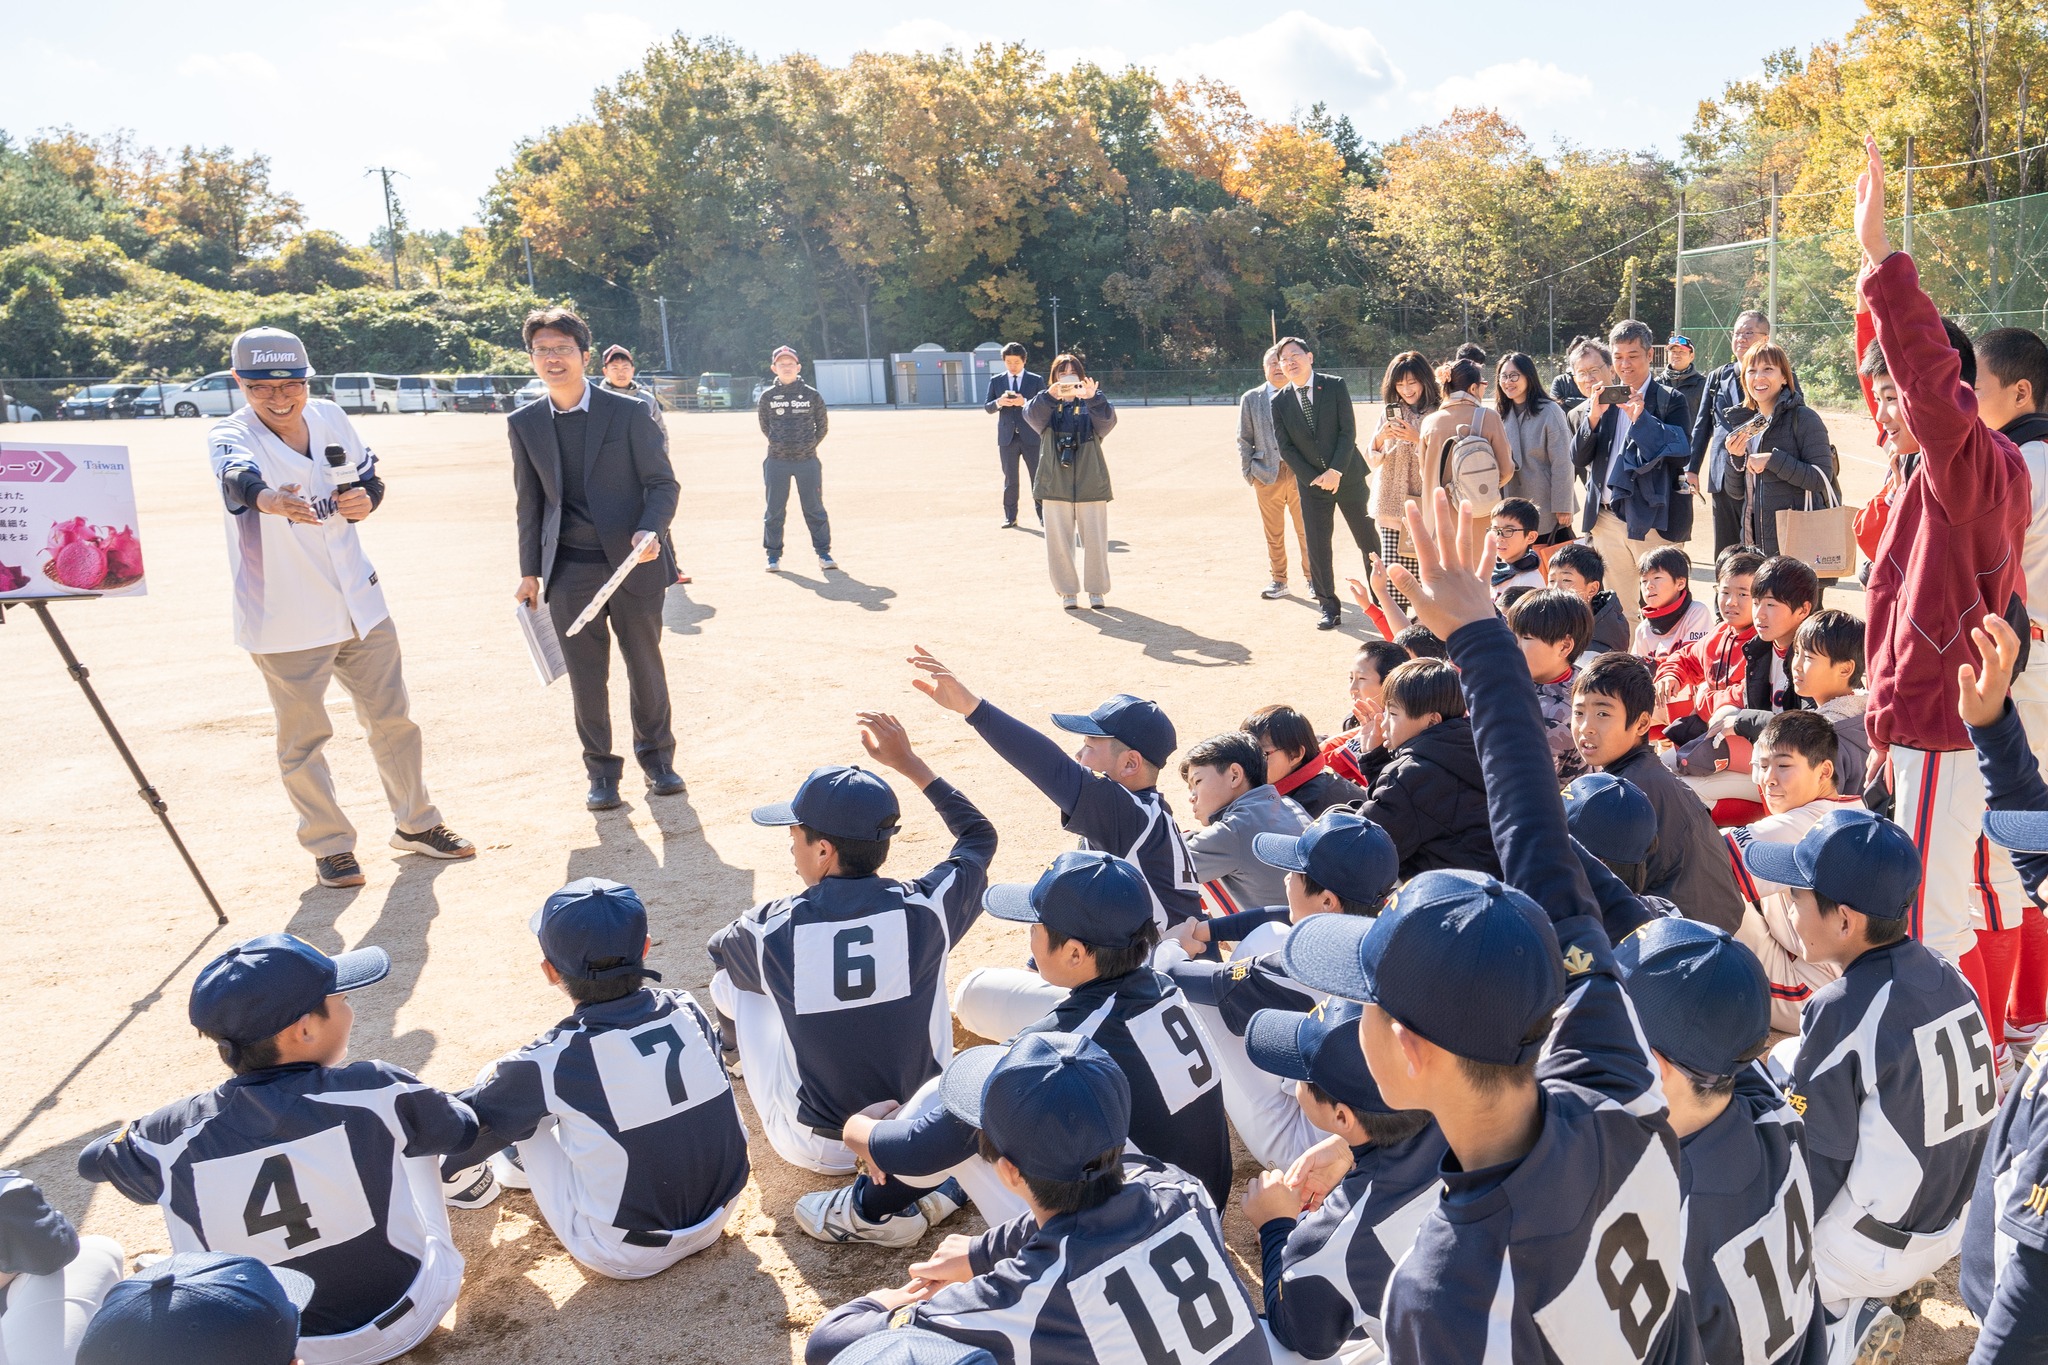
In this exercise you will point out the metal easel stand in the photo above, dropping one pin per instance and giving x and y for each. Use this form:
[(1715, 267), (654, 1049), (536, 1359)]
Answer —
[(80, 675)]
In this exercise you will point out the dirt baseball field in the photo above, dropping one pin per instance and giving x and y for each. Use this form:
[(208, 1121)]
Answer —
[(102, 930)]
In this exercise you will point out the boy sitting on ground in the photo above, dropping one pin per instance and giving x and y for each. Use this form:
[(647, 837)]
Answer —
[(1794, 767), (1427, 793), (620, 1119), (1516, 526), (1672, 616), (1892, 1072), (1696, 680), (1296, 763), (837, 994), (1228, 793), (1611, 705), (1324, 1273), (1612, 820), (1782, 596), (1827, 673), (1578, 568), (1553, 627)]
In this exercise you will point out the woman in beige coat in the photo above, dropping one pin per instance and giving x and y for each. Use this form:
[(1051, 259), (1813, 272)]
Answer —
[(1409, 395), (1462, 411)]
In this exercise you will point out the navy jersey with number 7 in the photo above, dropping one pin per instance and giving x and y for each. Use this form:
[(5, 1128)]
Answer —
[(326, 1170), (856, 967)]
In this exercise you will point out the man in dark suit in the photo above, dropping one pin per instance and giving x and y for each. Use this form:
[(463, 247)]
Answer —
[(1318, 434), (1601, 429), (1008, 392), (592, 474)]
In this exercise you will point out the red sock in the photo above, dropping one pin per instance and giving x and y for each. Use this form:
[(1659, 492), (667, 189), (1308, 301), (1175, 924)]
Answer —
[(1971, 965), (2030, 982), (1999, 950)]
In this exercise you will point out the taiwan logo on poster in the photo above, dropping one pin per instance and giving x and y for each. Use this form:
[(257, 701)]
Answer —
[(67, 522)]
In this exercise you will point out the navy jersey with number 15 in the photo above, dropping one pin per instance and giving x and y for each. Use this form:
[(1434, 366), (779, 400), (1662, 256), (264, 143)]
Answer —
[(856, 967)]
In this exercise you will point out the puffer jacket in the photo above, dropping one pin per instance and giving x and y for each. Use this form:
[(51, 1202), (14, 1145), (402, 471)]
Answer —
[(793, 419), (1431, 799), (1802, 463), (1085, 476)]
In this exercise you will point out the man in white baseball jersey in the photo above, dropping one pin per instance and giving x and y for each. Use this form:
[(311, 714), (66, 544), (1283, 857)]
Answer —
[(307, 604)]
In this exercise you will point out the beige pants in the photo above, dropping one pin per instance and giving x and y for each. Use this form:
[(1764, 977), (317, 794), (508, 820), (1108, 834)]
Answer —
[(1062, 519), (1611, 539), (369, 670), (1277, 500)]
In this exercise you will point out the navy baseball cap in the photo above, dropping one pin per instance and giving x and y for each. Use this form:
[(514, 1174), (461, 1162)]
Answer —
[(1131, 721), (1342, 852), (1611, 817), (199, 1308), (1321, 1046), (1468, 963), (269, 353), (589, 920), (844, 802), (1703, 998), (1055, 1104), (1086, 894), (2022, 831), (255, 990), (911, 1346), (1852, 857)]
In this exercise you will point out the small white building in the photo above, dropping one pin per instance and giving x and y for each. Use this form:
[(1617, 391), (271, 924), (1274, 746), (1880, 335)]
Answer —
[(932, 376), (852, 383)]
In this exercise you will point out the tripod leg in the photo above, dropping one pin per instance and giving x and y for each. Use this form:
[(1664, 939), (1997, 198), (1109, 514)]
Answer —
[(148, 793)]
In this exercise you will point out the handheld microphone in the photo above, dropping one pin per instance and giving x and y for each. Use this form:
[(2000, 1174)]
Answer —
[(337, 457)]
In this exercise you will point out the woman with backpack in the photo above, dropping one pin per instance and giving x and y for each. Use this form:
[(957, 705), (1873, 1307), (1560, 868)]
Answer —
[(1455, 441)]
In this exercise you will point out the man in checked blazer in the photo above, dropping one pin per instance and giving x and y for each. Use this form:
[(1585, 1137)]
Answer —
[(591, 470), (1319, 440)]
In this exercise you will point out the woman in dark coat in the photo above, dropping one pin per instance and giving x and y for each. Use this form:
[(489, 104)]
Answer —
[(1782, 445)]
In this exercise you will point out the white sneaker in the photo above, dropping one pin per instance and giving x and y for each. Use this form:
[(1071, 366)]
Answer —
[(474, 1188), (1067, 601), (1095, 601), (774, 566), (827, 562), (830, 1216), (942, 1203), (509, 1170), (2021, 1038), (1274, 589)]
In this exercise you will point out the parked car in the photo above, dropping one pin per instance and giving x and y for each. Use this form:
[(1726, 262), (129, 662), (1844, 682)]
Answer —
[(150, 402), (97, 402), (22, 412), (216, 395), (714, 390), (417, 393), (532, 391), (482, 393), (754, 399), (367, 392)]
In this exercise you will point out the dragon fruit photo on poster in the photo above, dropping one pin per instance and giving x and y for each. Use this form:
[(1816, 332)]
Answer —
[(67, 522)]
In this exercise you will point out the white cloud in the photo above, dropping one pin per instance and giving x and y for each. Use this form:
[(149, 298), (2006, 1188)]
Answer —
[(1293, 62), (237, 68), (1518, 88)]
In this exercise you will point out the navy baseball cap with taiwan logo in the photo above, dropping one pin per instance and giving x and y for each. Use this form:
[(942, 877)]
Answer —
[(1852, 857), (256, 990), (270, 353), (844, 802), (1444, 927), (1131, 721), (1055, 1104)]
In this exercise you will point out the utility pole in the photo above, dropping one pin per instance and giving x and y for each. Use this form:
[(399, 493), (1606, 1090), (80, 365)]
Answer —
[(1906, 228), (1553, 319), (1678, 272), (1055, 324), (390, 216), (526, 245), (668, 360), (867, 353), (1771, 302)]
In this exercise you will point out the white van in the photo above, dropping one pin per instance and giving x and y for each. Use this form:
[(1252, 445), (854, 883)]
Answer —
[(419, 394), (367, 392)]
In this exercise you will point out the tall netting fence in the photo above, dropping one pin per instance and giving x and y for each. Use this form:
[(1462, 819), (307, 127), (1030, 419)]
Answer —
[(1985, 266)]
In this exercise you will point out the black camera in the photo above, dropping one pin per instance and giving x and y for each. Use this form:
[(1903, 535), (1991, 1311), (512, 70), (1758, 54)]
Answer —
[(1068, 444)]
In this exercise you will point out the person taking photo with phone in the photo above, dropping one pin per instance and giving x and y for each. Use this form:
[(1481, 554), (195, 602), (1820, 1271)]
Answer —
[(1072, 484), (1625, 407)]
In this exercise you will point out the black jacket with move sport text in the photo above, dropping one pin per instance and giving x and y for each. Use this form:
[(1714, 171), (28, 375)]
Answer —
[(793, 419)]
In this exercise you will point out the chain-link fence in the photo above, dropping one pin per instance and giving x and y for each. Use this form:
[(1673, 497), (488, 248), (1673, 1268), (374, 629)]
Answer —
[(1985, 265)]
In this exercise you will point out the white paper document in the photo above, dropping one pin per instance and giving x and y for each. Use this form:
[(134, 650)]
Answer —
[(537, 628)]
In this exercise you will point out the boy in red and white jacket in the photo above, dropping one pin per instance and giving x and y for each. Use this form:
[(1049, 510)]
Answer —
[(1949, 555), (1698, 679)]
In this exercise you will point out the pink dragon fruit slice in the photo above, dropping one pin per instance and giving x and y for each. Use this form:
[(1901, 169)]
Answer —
[(12, 578), (124, 553), (82, 564), (65, 533)]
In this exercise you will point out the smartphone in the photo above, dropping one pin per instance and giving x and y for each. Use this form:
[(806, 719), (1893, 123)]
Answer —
[(1393, 413), (1615, 393)]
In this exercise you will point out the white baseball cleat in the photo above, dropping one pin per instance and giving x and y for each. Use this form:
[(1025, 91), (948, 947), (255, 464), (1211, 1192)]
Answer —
[(830, 1216), (473, 1188)]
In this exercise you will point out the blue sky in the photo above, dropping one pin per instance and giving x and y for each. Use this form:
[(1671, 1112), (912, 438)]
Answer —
[(443, 89)]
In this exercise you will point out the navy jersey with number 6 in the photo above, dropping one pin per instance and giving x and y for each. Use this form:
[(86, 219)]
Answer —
[(1142, 1279), (1573, 1255), (1749, 1232), (641, 1106), (326, 1170), (856, 967)]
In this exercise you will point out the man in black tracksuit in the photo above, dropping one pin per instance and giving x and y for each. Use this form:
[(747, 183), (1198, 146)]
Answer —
[(792, 415)]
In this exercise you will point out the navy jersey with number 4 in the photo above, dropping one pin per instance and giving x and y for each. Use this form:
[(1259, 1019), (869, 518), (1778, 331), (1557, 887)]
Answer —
[(856, 967), (1573, 1255), (1142, 1279), (304, 1166), (641, 1106), (1749, 1232)]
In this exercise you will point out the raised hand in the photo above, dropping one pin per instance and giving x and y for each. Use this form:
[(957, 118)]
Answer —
[(1870, 229), (938, 682), (1983, 694), (1452, 591), (888, 743)]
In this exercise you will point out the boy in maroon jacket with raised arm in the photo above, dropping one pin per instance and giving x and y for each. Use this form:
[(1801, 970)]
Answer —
[(1950, 554)]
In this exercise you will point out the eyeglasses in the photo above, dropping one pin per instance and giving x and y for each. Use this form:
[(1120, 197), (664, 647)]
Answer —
[(555, 352), (289, 388), (1501, 530)]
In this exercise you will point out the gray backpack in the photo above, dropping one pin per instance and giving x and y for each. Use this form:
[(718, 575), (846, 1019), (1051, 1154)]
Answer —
[(1470, 470)]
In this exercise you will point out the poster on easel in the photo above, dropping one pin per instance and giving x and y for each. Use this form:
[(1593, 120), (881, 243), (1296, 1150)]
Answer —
[(67, 521)]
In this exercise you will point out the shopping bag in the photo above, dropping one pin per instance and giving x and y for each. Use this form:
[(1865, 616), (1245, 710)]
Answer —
[(1825, 537)]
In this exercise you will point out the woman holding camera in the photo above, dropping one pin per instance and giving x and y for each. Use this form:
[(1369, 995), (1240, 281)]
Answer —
[(1781, 446), (1071, 417)]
